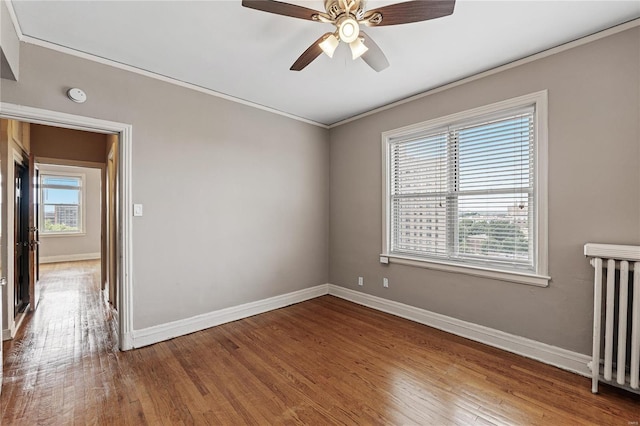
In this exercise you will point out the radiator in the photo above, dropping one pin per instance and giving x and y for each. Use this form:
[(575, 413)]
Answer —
[(616, 315)]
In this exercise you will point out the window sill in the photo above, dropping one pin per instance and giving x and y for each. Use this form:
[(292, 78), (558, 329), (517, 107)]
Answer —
[(476, 271), (62, 234)]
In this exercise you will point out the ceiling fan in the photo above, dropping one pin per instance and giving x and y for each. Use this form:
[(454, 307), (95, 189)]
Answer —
[(348, 16)]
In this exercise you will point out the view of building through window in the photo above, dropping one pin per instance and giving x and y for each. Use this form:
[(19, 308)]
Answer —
[(61, 204), (463, 192), (498, 233)]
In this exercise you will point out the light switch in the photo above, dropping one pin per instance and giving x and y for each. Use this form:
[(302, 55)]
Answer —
[(137, 209)]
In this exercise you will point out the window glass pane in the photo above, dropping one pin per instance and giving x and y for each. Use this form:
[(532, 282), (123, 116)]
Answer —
[(420, 225), (495, 227), (60, 196), (58, 218), (495, 155), (420, 165), (61, 181), (61, 204)]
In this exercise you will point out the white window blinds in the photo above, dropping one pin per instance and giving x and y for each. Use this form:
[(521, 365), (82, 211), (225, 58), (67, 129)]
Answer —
[(464, 192)]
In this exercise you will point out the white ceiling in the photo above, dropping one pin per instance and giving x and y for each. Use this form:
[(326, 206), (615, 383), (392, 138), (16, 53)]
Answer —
[(225, 47)]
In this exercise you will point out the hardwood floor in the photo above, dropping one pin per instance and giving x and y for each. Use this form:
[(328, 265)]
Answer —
[(325, 361)]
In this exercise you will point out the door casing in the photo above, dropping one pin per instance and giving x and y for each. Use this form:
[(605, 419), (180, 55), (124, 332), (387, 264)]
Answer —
[(124, 197)]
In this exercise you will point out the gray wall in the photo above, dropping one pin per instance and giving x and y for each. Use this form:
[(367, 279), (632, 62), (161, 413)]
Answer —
[(594, 188), (57, 247), (9, 46), (235, 198)]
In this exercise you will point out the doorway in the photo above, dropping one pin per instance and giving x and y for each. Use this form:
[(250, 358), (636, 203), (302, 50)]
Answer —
[(122, 188), (71, 206)]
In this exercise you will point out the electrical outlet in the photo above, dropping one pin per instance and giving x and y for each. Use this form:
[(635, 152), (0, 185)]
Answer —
[(385, 282), (360, 281)]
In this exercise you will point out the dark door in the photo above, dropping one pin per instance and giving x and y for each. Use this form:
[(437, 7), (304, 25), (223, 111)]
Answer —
[(32, 214), (37, 219), (21, 270)]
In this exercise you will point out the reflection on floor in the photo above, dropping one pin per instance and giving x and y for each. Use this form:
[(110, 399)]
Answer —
[(324, 361)]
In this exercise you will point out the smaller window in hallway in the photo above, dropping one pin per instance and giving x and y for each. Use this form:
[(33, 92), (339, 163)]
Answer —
[(61, 211)]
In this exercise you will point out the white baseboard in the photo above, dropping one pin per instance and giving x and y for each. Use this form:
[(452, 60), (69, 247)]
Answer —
[(6, 334), (562, 358), (69, 257), (126, 342), (159, 333), (548, 354)]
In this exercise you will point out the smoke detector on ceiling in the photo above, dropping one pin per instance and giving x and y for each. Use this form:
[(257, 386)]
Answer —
[(77, 95)]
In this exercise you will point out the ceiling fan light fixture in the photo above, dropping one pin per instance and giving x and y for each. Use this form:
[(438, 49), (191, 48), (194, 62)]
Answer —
[(348, 30), (357, 48), (329, 45), (347, 16)]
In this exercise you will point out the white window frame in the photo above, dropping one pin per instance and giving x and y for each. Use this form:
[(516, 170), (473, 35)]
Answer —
[(540, 276), (82, 205)]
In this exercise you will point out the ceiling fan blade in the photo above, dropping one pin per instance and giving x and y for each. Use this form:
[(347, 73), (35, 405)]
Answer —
[(374, 56), (281, 8), (412, 11), (309, 55)]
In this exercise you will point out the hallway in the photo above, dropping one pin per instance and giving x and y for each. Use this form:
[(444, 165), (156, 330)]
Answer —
[(72, 333)]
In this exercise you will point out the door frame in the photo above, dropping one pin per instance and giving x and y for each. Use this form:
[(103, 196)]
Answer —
[(124, 195)]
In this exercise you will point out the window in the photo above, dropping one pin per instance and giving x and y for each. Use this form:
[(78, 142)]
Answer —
[(61, 210), (467, 193)]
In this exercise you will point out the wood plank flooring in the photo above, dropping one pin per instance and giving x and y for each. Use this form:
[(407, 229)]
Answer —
[(325, 361)]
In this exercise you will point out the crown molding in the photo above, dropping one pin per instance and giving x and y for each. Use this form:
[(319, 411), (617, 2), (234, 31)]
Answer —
[(14, 19), (140, 71)]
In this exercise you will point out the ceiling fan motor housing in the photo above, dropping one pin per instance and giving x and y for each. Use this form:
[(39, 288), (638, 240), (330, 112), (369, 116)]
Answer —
[(334, 8)]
